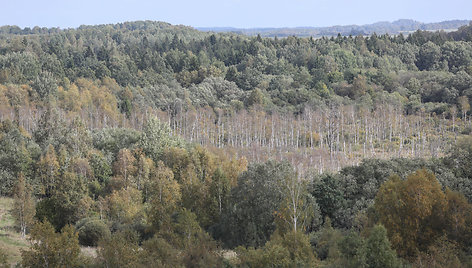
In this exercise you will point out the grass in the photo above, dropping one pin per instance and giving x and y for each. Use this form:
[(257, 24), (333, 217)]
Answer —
[(11, 241)]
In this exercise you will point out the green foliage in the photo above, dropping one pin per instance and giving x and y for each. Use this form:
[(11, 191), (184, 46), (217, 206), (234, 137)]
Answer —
[(91, 231), (66, 203), (200, 249), (328, 193), (460, 158), (164, 197), (86, 138), (353, 250), (156, 136), (112, 140), (119, 250), (101, 167), (248, 224), (291, 250), (24, 205), (51, 249), (17, 150), (45, 85), (157, 252), (378, 251), (325, 242)]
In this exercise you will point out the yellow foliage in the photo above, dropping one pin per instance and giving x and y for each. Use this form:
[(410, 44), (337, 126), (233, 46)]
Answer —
[(412, 211)]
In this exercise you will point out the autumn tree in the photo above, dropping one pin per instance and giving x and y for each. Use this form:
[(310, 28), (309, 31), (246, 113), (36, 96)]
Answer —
[(442, 253), (48, 171), (297, 209), (125, 167), (144, 167), (124, 207), (412, 211), (23, 208), (164, 197), (458, 219), (51, 249), (220, 190)]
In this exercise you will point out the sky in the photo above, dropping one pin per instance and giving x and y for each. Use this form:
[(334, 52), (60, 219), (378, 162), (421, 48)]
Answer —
[(228, 13)]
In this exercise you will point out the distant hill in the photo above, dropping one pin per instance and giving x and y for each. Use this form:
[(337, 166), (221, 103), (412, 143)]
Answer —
[(150, 27), (400, 26)]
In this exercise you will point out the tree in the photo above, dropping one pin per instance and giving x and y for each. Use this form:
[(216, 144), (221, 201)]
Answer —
[(125, 166), (458, 219), (412, 211), (48, 169), (45, 85), (464, 105), (24, 207), (157, 252), (144, 166), (298, 245), (256, 98), (124, 207), (164, 197), (290, 250), (67, 202), (379, 253), (353, 250), (198, 247), (297, 209), (156, 136), (91, 231), (460, 157), (220, 190), (249, 220), (119, 250), (359, 87), (17, 151), (325, 241), (51, 249), (328, 194), (429, 56), (443, 253)]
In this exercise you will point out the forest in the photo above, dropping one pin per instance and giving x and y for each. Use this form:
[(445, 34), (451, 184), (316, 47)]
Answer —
[(144, 144)]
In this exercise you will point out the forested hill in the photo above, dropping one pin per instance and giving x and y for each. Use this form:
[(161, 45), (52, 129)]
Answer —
[(163, 146), (404, 26), (151, 27), (347, 97)]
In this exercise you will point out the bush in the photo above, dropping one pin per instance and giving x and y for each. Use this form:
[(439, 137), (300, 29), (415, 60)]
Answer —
[(91, 230)]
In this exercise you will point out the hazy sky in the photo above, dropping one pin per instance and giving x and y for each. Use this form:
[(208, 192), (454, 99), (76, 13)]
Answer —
[(236, 13)]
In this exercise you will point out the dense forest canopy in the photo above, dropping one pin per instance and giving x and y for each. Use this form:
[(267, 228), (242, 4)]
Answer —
[(160, 145), (349, 97)]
